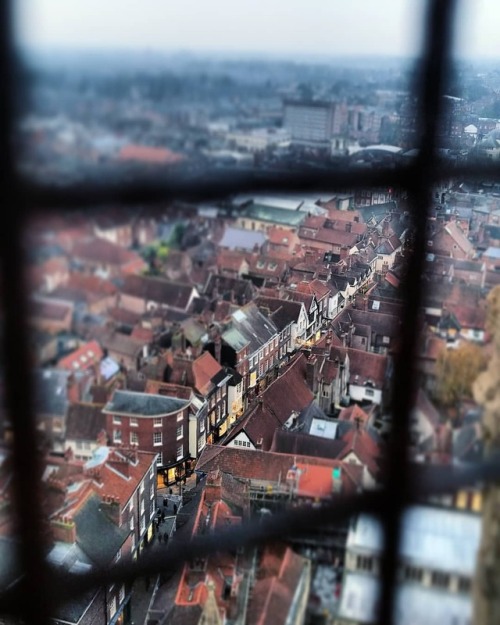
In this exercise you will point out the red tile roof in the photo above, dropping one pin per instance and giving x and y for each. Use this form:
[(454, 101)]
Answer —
[(82, 358), (286, 394), (139, 333), (149, 154), (92, 284), (205, 367), (270, 466), (105, 252), (364, 448), (274, 591), (45, 308)]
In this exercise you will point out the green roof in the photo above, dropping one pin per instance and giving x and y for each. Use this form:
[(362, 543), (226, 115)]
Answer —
[(275, 215), (235, 339)]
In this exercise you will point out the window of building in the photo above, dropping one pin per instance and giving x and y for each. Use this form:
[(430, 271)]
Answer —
[(141, 487), (151, 509), (143, 523), (440, 580), (117, 436), (369, 392), (157, 422), (180, 452), (157, 438), (117, 420), (152, 491), (152, 471), (180, 431), (180, 416), (142, 507), (112, 607), (118, 555), (134, 438), (464, 584), (131, 524), (413, 574), (159, 459), (133, 422), (364, 563), (121, 595)]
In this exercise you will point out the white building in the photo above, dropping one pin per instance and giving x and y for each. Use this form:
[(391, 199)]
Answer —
[(437, 561)]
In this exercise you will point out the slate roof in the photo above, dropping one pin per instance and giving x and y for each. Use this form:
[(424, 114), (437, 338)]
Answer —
[(185, 614), (376, 212), (158, 290), (85, 421), (367, 366), (143, 404), (381, 324), (121, 344), (249, 326), (51, 391), (468, 444), (96, 535), (238, 238), (283, 312), (70, 558), (224, 286), (303, 444)]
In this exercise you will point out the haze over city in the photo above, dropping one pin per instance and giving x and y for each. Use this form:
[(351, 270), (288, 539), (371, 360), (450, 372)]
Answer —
[(294, 28)]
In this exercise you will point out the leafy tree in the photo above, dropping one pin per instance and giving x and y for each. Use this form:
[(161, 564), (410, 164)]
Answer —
[(456, 370)]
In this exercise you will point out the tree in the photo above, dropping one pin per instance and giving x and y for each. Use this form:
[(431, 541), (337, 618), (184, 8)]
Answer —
[(456, 370)]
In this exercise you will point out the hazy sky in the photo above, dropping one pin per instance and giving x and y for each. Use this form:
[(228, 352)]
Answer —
[(283, 27)]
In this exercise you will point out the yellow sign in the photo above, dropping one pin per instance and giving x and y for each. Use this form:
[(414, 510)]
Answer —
[(253, 378)]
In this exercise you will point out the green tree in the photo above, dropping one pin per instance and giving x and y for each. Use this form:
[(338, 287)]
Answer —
[(456, 370)]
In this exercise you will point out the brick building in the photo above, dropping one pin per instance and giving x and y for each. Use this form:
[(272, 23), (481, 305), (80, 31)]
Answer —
[(154, 423)]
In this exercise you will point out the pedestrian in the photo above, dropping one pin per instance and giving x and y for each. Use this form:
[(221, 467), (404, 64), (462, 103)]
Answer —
[(165, 502), (175, 508), (160, 536), (162, 516), (165, 537), (170, 492)]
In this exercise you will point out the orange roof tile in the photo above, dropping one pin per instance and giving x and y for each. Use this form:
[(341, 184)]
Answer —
[(149, 154), (205, 367), (82, 358)]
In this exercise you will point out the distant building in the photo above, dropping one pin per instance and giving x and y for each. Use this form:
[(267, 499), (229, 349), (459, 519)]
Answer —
[(310, 123), (436, 566)]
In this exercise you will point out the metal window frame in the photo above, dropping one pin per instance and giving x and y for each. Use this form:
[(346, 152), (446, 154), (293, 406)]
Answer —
[(404, 483)]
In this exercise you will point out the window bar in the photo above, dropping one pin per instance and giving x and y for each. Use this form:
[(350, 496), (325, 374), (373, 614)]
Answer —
[(17, 370), (433, 68)]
